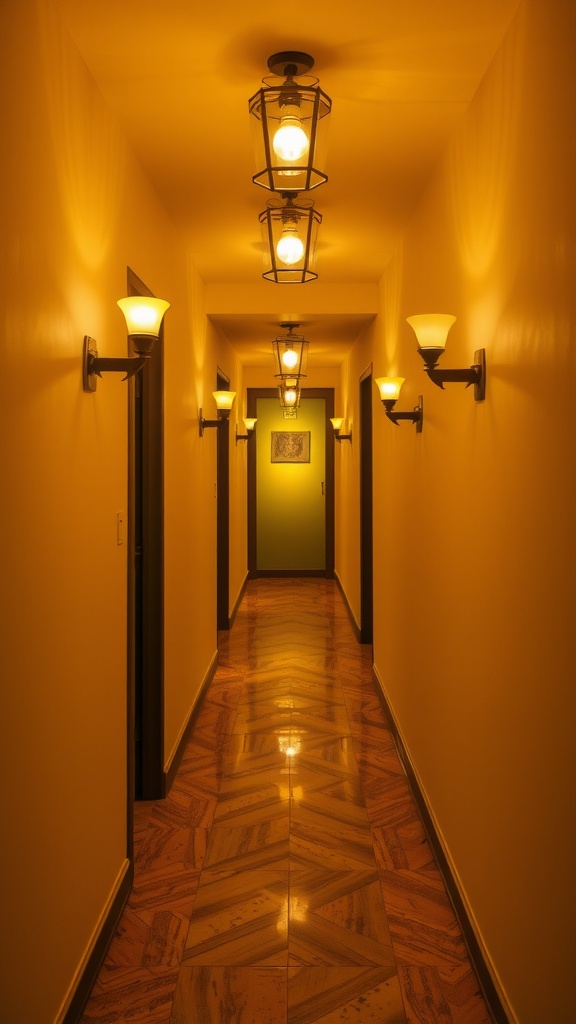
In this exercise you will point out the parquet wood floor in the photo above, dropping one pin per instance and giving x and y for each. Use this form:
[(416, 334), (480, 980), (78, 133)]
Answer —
[(287, 878)]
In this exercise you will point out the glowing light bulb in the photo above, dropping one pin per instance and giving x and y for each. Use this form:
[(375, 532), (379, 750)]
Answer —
[(289, 358), (290, 142), (290, 248), (290, 397)]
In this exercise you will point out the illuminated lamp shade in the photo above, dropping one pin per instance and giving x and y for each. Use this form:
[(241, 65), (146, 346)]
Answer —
[(289, 394), (337, 422), (290, 234), (289, 120), (249, 422), (431, 330), (143, 315), (224, 402), (389, 388)]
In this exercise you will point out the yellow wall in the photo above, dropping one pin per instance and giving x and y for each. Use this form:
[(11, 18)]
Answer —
[(474, 519), (76, 212)]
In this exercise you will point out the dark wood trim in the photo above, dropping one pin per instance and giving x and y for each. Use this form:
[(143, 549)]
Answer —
[(353, 622), (73, 1014), (238, 601), (252, 396), (290, 574), (477, 958), (170, 773), (366, 513), (146, 567), (222, 513)]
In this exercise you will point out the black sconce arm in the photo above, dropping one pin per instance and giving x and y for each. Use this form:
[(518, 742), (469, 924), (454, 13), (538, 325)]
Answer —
[(416, 416), (475, 374)]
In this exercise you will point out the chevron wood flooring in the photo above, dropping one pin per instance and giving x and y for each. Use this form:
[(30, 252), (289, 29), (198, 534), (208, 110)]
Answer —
[(287, 878)]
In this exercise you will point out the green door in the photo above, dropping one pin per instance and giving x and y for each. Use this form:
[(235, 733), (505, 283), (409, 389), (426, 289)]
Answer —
[(290, 487)]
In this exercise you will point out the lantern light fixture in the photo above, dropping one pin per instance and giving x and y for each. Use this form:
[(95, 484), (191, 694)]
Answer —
[(431, 330), (249, 423), (290, 353), (290, 121), (337, 422), (389, 388), (290, 233), (143, 315), (289, 394), (224, 402)]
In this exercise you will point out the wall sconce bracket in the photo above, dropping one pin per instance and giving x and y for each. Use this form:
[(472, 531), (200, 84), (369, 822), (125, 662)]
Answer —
[(416, 416), (343, 437), (93, 366), (475, 374)]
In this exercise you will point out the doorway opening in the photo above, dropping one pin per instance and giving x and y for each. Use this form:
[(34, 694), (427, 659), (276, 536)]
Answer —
[(291, 486), (366, 520), (222, 514), (146, 571)]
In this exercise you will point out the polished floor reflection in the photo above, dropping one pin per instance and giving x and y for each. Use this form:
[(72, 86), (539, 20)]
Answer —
[(287, 878)]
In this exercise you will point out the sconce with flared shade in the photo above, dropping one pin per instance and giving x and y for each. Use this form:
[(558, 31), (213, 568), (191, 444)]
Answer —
[(290, 233), (337, 422), (389, 388), (290, 121), (224, 402), (249, 423), (143, 315), (431, 330)]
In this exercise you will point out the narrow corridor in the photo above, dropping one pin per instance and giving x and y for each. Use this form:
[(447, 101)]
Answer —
[(287, 878)]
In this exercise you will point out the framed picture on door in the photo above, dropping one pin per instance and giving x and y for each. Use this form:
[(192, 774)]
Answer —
[(290, 446)]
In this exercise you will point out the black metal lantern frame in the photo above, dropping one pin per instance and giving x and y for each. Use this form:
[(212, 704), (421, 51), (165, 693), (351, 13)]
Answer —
[(290, 355), (295, 227), (289, 394), (296, 112)]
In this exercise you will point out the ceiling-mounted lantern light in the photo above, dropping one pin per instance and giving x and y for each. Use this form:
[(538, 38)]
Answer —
[(290, 233), (289, 394), (290, 354), (290, 125)]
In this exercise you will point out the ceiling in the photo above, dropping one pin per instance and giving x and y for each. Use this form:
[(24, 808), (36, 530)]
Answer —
[(400, 76)]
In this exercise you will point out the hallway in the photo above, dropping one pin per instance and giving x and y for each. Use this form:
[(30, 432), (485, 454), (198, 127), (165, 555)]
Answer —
[(287, 876)]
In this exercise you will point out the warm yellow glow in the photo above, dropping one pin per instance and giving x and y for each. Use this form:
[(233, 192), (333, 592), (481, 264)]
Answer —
[(250, 423), (337, 422), (290, 397), (290, 143), (389, 387), (290, 248), (224, 399), (143, 314), (289, 358), (431, 329)]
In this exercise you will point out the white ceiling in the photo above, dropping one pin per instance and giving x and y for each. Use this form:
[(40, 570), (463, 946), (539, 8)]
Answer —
[(178, 75)]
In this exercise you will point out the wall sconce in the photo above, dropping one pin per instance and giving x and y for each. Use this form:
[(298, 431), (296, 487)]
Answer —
[(290, 233), (249, 423), (143, 315), (290, 354), (290, 125), (337, 422), (389, 388), (431, 330), (224, 402), (289, 394)]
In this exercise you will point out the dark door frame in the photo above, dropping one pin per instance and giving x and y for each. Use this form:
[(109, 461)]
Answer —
[(146, 571), (366, 516), (252, 396), (222, 513)]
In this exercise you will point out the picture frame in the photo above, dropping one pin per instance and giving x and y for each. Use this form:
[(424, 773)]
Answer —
[(290, 446)]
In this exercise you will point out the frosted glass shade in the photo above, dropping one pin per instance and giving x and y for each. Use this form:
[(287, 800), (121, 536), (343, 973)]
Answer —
[(143, 314), (431, 329), (224, 399), (389, 387), (337, 422), (250, 423)]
